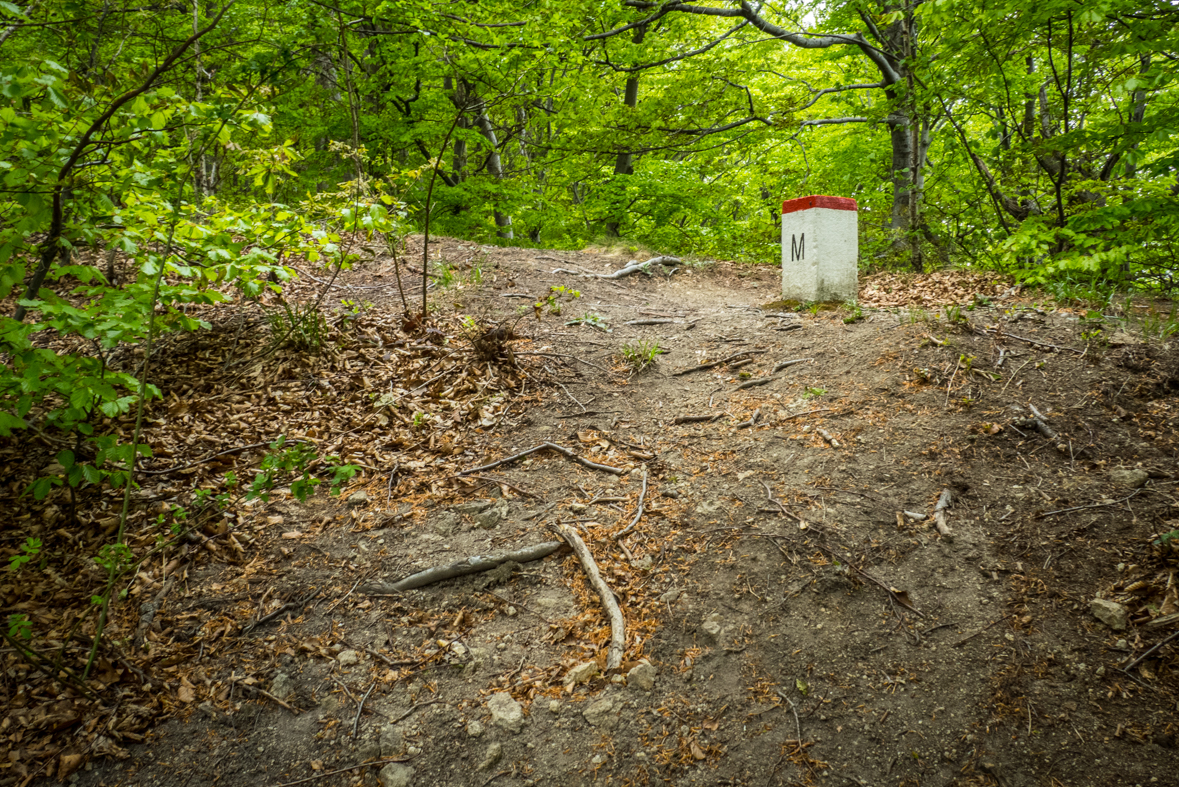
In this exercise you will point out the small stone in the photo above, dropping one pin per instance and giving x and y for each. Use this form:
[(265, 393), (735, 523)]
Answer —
[(581, 673), (712, 629), (1111, 613), (597, 760), (1130, 477), (282, 686), (1122, 644), (641, 677), (578, 508), (358, 498), (488, 520), (472, 508), (709, 507), (506, 713), (670, 596), (392, 740), (475, 728), (446, 524), (494, 753), (554, 706), (369, 751), (672, 494), (601, 713), (348, 658), (396, 774), (643, 563), (208, 709)]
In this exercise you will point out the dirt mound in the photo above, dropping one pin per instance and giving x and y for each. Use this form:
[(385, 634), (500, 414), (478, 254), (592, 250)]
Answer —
[(866, 549)]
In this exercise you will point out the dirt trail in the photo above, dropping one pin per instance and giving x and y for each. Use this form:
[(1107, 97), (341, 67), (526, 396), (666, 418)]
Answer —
[(802, 629)]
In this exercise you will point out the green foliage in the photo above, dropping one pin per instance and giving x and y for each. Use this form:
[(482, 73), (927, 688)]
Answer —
[(301, 326), (854, 312), (592, 320), (19, 627), (641, 354), (29, 551)]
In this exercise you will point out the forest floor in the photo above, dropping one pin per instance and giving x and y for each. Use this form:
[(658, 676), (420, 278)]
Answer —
[(793, 613)]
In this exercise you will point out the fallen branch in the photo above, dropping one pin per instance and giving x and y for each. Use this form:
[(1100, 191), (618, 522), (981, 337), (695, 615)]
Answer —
[(551, 446), (634, 266), (650, 322), (784, 364), (752, 420), (563, 355), (808, 412), (939, 515), (1094, 505), (638, 514), (966, 639), (360, 708), (1042, 423), (754, 383), (1141, 658), (502, 482), (828, 437), (1001, 334), (264, 693), (713, 364), (613, 613), (369, 764), (695, 419), (794, 326), (472, 565)]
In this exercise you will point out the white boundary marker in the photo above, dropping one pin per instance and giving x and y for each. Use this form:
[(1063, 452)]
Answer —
[(820, 249)]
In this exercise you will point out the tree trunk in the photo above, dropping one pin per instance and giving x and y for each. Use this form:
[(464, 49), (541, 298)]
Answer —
[(495, 166), (624, 163)]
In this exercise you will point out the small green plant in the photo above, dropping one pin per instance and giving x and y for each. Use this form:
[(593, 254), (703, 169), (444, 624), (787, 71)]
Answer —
[(813, 393), (1165, 539), (641, 354), (353, 309), (301, 326), (293, 460), (552, 302), (917, 314), (476, 274), (592, 320), (19, 627), (28, 553), (419, 420), (854, 313), (979, 301), (813, 308), (558, 290), (954, 315), (1159, 326)]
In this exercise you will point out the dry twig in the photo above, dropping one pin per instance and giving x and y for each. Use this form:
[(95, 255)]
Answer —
[(613, 613), (461, 568)]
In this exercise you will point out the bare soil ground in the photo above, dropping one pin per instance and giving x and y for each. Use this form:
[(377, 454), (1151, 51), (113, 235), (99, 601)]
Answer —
[(800, 626)]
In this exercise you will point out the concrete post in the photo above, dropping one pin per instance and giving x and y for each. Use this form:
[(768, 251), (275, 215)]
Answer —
[(820, 249)]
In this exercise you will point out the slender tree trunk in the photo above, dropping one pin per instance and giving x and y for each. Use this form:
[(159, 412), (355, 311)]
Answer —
[(495, 166), (624, 163)]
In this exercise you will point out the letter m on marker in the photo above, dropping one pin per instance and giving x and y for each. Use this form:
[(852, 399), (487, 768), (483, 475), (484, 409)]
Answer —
[(798, 247)]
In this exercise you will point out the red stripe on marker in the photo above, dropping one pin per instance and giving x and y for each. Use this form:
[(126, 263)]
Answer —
[(817, 201)]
